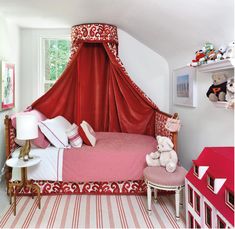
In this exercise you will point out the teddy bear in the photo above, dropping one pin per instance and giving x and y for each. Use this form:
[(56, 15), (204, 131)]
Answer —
[(217, 90), (164, 156), (230, 94), (230, 52)]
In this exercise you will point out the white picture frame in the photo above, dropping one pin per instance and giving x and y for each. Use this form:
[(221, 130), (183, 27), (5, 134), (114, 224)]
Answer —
[(184, 87)]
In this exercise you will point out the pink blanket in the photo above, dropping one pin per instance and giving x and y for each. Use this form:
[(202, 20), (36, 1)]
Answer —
[(115, 157)]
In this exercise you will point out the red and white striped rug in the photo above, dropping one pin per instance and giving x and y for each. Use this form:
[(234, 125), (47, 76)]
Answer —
[(92, 211)]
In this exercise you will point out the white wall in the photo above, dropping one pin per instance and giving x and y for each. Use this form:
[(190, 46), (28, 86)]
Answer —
[(9, 51), (205, 125), (30, 59), (146, 68)]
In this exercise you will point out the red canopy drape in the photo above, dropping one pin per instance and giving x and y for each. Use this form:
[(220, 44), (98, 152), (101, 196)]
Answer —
[(95, 87)]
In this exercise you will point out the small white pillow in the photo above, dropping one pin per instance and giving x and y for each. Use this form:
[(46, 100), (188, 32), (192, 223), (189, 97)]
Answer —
[(87, 134), (54, 130), (74, 138)]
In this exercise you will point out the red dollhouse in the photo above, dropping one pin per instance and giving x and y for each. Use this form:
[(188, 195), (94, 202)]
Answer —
[(209, 189)]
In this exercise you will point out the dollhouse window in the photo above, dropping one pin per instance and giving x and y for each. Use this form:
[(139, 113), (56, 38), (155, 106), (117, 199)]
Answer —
[(210, 183), (208, 216), (190, 195), (220, 223), (195, 170), (197, 203), (190, 220), (229, 198), (197, 224)]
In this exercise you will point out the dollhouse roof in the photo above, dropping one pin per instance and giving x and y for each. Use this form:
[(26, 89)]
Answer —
[(221, 165)]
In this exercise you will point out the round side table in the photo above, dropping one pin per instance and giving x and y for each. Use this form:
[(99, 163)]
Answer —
[(14, 186)]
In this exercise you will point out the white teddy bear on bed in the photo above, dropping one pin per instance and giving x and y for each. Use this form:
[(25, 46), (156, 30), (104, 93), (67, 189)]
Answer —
[(164, 156)]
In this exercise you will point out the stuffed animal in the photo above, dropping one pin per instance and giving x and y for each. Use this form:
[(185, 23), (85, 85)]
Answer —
[(207, 48), (164, 156), (217, 90), (230, 93), (199, 58), (222, 49), (211, 56), (230, 52)]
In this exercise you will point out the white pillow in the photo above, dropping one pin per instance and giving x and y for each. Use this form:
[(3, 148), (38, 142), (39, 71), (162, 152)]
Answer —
[(75, 139), (54, 130)]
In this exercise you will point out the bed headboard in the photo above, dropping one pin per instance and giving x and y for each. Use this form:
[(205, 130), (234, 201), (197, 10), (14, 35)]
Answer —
[(160, 122)]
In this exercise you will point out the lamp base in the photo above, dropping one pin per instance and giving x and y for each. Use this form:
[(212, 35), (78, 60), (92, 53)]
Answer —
[(24, 152)]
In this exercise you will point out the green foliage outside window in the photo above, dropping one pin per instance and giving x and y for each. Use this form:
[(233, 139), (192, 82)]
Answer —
[(57, 53)]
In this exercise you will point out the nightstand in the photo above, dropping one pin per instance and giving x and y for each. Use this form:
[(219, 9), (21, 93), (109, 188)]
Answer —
[(15, 186)]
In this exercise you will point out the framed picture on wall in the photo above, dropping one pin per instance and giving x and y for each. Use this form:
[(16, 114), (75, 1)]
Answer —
[(184, 87), (7, 85)]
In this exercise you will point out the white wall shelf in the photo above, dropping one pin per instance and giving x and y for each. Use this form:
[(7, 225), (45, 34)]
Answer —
[(220, 104), (217, 66)]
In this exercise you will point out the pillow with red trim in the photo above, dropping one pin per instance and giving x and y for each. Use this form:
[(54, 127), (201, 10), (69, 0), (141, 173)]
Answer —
[(75, 139), (55, 131), (41, 140), (87, 134)]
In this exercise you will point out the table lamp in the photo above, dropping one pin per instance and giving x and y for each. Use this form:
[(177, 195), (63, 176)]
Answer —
[(26, 129)]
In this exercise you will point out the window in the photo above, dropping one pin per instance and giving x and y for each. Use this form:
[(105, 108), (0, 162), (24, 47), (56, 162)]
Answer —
[(197, 203), (210, 183), (220, 223), (195, 169), (197, 224), (190, 220), (208, 216), (55, 55), (229, 198), (190, 195)]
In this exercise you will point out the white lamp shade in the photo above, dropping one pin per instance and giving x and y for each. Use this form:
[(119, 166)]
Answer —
[(26, 127)]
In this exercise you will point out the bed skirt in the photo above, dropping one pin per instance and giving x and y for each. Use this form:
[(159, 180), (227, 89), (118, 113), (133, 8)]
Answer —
[(137, 187)]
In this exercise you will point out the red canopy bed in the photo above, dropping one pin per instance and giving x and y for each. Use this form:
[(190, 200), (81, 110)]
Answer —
[(96, 87)]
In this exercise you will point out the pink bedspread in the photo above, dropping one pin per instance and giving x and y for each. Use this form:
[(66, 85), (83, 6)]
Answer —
[(115, 157)]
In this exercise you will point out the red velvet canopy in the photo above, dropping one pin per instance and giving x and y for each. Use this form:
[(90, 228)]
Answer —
[(95, 86)]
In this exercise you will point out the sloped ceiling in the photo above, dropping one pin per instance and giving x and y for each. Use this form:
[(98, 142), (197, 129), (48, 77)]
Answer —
[(169, 27)]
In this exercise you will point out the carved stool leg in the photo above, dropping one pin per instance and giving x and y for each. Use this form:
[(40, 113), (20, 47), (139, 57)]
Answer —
[(177, 203), (155, 195), (10, 193), (14, 201), (149, 195)]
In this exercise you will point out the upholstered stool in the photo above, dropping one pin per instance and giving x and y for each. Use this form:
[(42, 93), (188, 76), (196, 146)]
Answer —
[(158, 178)]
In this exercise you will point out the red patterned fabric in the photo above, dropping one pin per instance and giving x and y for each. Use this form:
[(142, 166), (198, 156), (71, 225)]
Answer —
[(96, 88), (123, 187)]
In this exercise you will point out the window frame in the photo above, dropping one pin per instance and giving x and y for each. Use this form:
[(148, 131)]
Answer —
[(198, 211), (190, 220), (212, 188), (210, 210), (190, 189), (42, 77), (196, 224), (220, 220), (229, 204), (196, 173)]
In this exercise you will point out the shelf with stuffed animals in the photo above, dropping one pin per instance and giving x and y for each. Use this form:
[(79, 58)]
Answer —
[(210, 60), (217, 65)]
